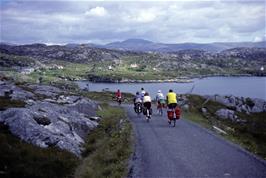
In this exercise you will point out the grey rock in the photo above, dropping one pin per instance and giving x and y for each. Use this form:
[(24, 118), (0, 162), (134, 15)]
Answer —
[(16, 92), (185, 107), (259, 105), (48, 91), (97, 119), (204, 110), (68, 99), (226, 114), (45, 124), (240, 104)]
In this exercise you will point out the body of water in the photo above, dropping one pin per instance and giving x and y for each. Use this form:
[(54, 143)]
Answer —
[(254, 87)]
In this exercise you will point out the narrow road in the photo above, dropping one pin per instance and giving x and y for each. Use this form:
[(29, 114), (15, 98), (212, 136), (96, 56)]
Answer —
[(186, 150)]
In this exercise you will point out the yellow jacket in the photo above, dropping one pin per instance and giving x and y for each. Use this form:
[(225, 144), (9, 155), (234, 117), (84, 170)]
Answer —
[(171, 98)]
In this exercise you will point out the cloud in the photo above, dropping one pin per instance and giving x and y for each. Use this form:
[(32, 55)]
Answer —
[(143, 16), (97, 11), (259, 38), (168, 22)]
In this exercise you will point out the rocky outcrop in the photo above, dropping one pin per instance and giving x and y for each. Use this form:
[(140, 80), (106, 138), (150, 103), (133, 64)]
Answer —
[(15, 92), (56, 120), (240, 104), (227, 114)]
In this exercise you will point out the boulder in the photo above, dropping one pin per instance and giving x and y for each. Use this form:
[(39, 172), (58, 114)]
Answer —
[(259, 105), (45, 124), (204, 110), (185, 107), (226, 114)]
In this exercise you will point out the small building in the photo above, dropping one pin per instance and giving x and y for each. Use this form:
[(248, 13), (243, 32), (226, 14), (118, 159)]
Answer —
[(60, 67), (27, 70), (134, 65)]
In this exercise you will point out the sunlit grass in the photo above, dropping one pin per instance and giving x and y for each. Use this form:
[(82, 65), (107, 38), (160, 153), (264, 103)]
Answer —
[(108, 147)]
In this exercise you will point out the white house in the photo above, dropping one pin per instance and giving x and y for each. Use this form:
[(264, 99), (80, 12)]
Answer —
[(134, 65), (26, 70)]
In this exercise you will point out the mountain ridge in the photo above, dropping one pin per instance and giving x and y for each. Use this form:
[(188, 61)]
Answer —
[(145, 45)]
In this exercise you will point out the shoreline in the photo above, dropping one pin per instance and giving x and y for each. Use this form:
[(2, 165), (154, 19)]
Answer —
[(186, 79)]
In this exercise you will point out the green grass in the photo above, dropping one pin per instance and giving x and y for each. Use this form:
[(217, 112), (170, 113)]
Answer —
[(198, 118), (108, 147), (107, 96), (20, 159), (251, 135)]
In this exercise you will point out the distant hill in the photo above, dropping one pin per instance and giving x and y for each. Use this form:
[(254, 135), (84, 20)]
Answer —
[(137, 65), (145, 45), (73, 52)]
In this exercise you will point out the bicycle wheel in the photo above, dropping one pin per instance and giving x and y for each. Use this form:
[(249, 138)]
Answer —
[(148, 115), (174, 119)]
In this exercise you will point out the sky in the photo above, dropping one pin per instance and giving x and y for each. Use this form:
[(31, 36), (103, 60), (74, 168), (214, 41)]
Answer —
[(101, 22)]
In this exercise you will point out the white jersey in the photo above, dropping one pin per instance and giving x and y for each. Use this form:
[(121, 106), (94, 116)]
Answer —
[(146, 99), (159, 96)]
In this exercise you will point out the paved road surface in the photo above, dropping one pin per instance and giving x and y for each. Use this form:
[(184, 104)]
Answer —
[(187, 150)]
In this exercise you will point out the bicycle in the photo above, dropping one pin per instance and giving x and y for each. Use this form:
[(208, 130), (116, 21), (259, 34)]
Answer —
[(160, 107), (148, 113), (173, 115), (118, 100), (138, 107)]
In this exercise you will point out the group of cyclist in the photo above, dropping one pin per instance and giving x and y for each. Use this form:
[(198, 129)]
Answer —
[(173, 112), (143, 99)]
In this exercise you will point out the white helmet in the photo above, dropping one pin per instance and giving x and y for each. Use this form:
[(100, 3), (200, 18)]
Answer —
[(159, 91)]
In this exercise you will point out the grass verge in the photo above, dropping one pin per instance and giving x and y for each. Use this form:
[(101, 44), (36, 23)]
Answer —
[(108, 147), (107, 96), (20, 159), (250, 135)]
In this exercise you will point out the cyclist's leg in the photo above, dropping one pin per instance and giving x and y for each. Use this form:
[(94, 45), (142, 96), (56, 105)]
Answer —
[(174, 108), (145, 109), (169, 113), (148, 106)]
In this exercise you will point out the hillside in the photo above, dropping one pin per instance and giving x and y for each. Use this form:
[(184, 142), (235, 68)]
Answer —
[(79, 53), (105, 65)]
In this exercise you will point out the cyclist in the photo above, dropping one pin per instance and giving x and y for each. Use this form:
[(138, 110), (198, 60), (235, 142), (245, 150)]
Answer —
[(142, 92), (171, 103), (160, 100), (118, 96), (137, 99), (147, 104)]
